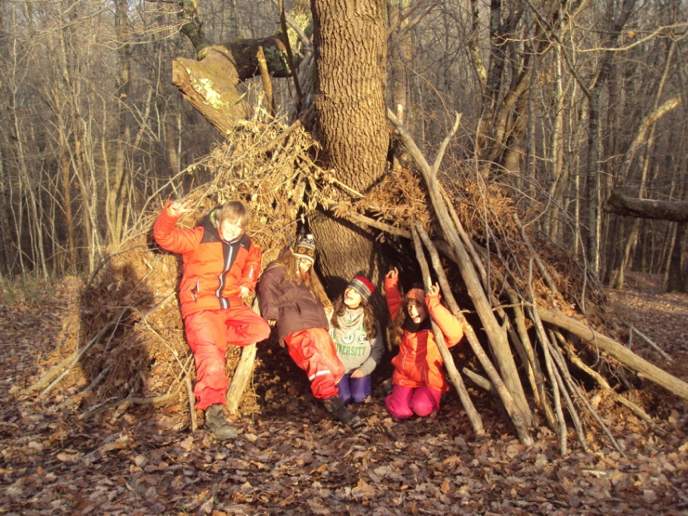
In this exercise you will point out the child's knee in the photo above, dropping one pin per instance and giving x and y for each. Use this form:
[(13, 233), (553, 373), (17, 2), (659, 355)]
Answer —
[(397, 409), (423, 409), (425, 401)]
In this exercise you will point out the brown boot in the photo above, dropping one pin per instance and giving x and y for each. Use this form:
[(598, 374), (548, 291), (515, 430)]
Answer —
[(339, 411), (216, 422)]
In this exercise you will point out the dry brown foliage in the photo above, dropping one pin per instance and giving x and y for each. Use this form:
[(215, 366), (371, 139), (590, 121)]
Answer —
[(129, 306)]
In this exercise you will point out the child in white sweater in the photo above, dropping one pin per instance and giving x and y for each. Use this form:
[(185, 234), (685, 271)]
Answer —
[(358, 340)]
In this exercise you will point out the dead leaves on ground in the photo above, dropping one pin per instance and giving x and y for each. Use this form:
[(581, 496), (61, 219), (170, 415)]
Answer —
[(291, 458)]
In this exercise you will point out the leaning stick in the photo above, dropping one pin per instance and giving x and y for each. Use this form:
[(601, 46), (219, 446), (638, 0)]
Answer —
[(651, 343), (452, 372), (490, 370), (615, 350), (604, 384), (242, 373), (559, 360)]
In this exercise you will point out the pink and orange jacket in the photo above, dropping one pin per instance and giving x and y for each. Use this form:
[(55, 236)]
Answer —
[(213, 269), (419, 362)]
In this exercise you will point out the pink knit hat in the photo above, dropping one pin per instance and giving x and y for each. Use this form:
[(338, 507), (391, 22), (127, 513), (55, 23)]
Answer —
[(416, 294)]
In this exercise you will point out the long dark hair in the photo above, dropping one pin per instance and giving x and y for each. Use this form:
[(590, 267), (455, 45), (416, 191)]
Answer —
[(402, 322), (368, 316), (397, 330)]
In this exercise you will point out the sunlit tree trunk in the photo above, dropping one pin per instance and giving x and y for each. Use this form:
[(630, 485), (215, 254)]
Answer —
[(116, 185), (28, 186), (593, 180), (350, 114)]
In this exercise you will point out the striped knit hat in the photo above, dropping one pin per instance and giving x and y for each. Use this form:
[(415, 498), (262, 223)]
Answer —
[(362, 286), (305, 248)]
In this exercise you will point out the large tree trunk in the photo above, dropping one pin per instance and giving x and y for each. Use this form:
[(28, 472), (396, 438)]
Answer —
[(350, 120)]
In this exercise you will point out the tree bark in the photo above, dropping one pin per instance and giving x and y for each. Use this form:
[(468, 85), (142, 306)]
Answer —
[(350, 122), (674, 211), (211, 87), (677, 275)]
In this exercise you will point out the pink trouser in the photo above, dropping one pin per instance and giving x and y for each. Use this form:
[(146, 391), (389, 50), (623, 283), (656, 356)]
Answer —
[(314, 352), (208, 333), (404, 402)]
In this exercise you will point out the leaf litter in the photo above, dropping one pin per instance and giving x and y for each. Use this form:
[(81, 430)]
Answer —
[(291, 458)]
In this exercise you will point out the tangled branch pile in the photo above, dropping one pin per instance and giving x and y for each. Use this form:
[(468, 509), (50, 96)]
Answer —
[(129, 344), (125, 343)]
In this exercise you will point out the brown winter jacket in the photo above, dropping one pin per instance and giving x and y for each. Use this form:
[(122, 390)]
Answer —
[(213, 269), (290, 303)]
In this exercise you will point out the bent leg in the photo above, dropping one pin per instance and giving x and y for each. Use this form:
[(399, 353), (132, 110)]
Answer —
[(425, 401), (361, 388), (314, 352), (398, 403), (244, 326)]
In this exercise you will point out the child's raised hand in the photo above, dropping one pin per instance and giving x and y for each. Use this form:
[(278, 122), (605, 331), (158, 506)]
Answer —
[(177, 209), (433, 291), (244, 292), (394, 273)]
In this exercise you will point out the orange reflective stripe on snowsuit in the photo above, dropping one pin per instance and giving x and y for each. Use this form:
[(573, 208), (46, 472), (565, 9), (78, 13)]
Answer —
[(214, 315), (419, 362)]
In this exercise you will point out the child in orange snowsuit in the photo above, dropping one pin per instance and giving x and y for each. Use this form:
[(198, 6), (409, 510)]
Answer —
[(418, 379), (221, 266)]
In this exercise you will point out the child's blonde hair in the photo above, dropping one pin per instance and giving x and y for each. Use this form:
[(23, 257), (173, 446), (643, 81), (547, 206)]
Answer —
[(235, 211)]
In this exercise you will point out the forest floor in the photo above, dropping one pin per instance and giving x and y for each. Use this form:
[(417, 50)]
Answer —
[(290, 458)]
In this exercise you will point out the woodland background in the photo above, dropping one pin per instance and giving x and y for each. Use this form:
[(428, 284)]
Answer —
[(565, 113), (93, 129)]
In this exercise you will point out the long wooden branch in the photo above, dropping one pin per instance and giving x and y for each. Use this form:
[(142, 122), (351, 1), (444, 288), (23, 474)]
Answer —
[(243, 372), (617, 351), (575, 389), (674, 211), (496, 335), (490, 370), (452, 371)]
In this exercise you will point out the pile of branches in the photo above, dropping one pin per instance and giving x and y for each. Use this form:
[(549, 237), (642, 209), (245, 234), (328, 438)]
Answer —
[(124, 342), (535, 306)]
